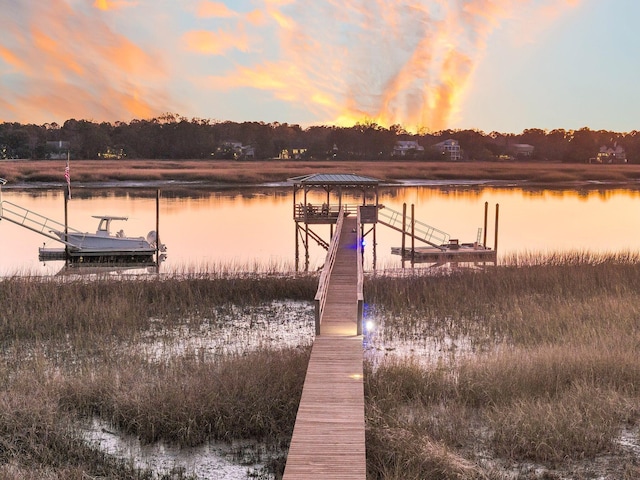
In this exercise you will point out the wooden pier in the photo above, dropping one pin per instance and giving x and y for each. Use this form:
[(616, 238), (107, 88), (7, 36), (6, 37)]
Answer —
[(329, 434)]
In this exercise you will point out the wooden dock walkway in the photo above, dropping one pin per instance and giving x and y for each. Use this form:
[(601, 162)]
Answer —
[(329, 435)]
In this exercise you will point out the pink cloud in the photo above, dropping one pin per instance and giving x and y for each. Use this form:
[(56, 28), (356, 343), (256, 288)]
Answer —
[(215, 9), (106, 5), (72, 64), (216, 43)]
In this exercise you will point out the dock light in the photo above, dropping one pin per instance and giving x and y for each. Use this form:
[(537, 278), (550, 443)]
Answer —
[(370, 326), (363, 243)]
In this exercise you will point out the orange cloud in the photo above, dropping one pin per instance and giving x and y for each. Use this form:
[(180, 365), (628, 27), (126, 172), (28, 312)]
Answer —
[(215, 9), (215, 43), (256, 18), (70, 64), (11, 58), (405, 62), (106, 5), (399, 61)]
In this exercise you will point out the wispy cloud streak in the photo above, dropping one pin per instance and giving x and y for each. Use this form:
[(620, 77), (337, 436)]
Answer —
[(405, 62), (62, 62)]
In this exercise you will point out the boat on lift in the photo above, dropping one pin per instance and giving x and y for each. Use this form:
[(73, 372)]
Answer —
[(103, 246), (105, 240)]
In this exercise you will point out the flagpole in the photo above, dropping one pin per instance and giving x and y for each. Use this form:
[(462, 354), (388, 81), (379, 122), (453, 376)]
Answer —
[(66, 232), (67, 197), (67, 176)]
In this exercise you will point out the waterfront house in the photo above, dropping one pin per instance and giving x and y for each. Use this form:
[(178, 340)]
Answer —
[(450, 149)]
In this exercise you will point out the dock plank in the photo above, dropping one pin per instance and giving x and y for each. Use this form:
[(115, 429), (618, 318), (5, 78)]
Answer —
[(329, 434)]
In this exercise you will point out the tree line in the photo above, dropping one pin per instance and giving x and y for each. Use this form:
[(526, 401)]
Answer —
[(171, 136)]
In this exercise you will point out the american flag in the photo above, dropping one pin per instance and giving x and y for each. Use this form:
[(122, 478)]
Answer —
[(67, 177)]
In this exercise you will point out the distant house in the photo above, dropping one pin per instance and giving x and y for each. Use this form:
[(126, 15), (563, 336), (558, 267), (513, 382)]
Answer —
[(112, 154), (407, 148), (521, 149), (449, 148), (608, 154), (58, 150), (231, 149), (295, 153)]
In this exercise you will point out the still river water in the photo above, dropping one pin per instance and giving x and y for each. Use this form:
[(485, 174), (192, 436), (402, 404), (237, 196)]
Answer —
[(244, 227)]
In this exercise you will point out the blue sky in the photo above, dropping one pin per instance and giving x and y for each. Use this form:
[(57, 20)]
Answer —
[(492, 65), (580, 70)]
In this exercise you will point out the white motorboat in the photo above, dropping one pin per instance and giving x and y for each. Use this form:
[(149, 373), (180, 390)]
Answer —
[(106, 241)]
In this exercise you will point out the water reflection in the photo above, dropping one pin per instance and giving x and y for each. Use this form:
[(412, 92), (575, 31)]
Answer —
[(254, 226)]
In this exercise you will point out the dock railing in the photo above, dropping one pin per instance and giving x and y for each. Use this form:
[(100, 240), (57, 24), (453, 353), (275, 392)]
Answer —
[(325, 276), (360, 282), (302, 212)]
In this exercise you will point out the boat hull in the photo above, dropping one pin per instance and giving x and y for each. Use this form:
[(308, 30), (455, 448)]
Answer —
[(92, 242)]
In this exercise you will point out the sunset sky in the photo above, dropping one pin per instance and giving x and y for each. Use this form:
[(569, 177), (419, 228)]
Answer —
[(493, 65)]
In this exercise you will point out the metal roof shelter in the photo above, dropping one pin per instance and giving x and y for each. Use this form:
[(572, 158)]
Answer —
[(344, 179), (306, 212), (335, 183)]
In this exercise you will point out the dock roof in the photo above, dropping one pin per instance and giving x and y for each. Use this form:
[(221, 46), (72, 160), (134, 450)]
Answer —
[(335, 179)]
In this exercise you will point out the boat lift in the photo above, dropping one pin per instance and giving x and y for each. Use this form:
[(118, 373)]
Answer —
[(46, 226)]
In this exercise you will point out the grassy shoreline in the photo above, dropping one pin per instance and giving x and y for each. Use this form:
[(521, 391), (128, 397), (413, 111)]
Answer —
[(550, 380), (257, 172)]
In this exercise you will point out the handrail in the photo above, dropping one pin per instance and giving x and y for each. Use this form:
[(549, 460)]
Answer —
[(360, 273), (317, 210), (422, 231), (33, 221), (323, 284)]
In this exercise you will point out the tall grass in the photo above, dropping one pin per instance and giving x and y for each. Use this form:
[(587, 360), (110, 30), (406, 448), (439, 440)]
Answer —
[(189, 402), (70, 353), (87, 312), (552, 381), (555, 382)]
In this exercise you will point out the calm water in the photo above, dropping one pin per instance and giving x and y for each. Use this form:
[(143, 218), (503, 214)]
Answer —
[(255, 226)]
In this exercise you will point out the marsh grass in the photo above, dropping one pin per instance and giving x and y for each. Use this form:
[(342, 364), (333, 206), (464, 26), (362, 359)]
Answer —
[(70, 354), (189, 402), (551, 376), (256, 172), (88, 312), (555, 382)]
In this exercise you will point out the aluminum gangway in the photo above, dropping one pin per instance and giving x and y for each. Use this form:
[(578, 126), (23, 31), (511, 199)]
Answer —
[(34, 221), (421, 231)]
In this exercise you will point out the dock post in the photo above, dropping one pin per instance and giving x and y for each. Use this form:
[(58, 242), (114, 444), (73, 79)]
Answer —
[(486, 211), (66, 231), (157, 228), (404, 230), (495, 246), (413, 237), (375, 243), (296, 232), (306, 246)]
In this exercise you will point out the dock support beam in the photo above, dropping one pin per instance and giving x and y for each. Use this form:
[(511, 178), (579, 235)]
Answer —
[(66, 230), (495, 246), (404, 229), (157, 228), (486, 211), (413, 235)]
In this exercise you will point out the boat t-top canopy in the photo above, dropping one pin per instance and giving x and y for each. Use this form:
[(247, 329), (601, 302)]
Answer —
[(109, 217)]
